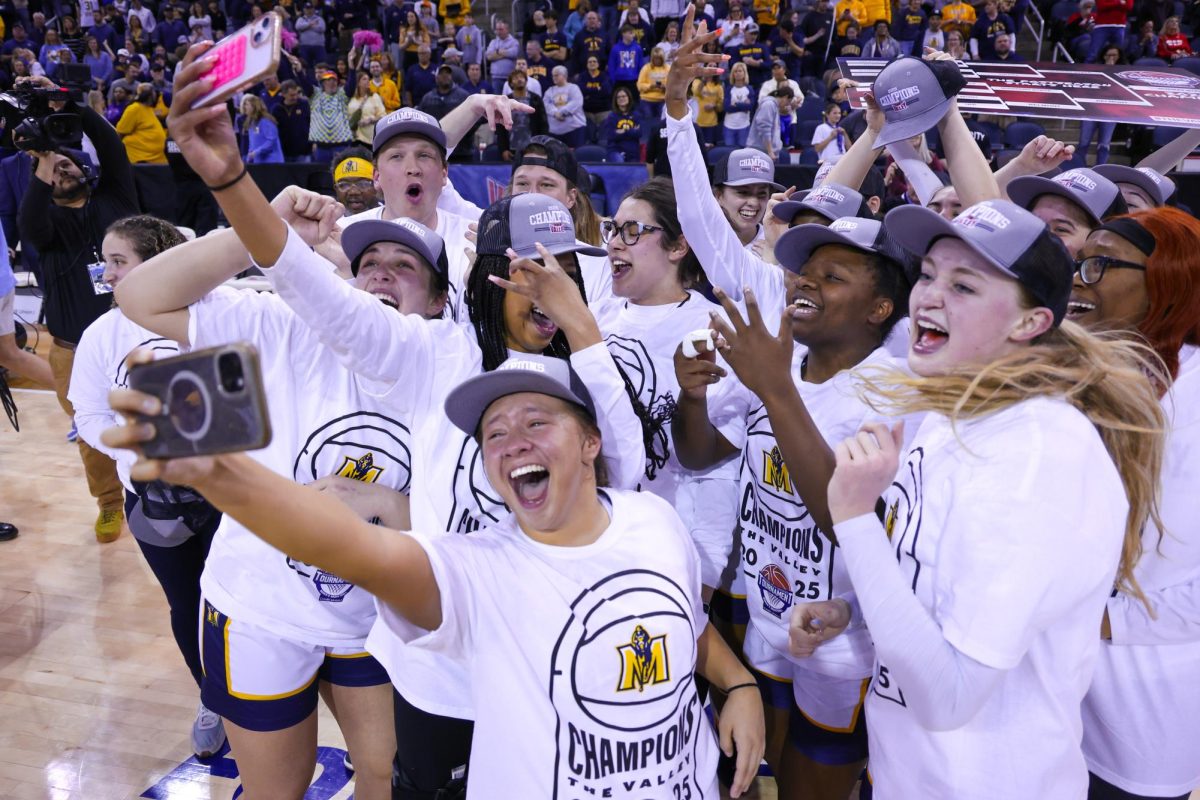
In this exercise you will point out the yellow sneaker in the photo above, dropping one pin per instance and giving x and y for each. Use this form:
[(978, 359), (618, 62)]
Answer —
[(108, 525)]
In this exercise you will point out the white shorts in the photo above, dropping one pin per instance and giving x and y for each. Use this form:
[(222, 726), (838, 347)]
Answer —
[(7, 325)]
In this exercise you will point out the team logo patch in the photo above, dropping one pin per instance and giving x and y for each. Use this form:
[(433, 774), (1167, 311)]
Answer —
[(360, 469), (758, 165), (1164, 79), (643, 661), (552, 221), (825, 195), (1078, 181), (983, 216), (844, 225), (775, 471), (899, 99), (775, 590)]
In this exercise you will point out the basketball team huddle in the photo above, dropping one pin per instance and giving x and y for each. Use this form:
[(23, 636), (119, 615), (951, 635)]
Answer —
[(562, 506)]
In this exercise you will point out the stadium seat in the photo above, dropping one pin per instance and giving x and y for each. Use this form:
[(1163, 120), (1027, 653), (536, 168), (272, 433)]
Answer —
[(589, 153), (1163, 136), (1063, 9), (718, 153), (1191, 64), (813, 86), (1150, 62), (599, 203), (1019, 134), (810, 109), (805, 130), (808, 158), (995, 134)]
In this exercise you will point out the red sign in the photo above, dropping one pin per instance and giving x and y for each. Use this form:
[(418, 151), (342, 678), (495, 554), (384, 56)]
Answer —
[(1159, 96)]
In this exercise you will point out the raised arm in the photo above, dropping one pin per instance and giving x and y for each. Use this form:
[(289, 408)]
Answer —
[(852, 168), (1039, 155)]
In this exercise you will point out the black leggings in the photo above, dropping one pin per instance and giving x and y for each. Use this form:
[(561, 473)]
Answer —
[(1100, 789), (430, 751), (177, 570)]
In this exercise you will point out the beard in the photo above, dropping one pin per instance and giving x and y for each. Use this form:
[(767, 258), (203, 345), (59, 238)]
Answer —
[(69, 188)]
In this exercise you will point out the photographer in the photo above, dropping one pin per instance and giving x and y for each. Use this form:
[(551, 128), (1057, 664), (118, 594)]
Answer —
[(64, 214)]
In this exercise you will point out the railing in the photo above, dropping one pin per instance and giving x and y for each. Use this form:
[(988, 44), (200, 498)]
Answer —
[(1041, 31), (1058, 48)]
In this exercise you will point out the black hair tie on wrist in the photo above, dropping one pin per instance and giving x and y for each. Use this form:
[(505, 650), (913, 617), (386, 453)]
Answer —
[(732, 689), (227, 184)]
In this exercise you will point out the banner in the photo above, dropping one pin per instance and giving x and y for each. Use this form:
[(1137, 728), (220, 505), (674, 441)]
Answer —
[(484, 184), (1159, 96)]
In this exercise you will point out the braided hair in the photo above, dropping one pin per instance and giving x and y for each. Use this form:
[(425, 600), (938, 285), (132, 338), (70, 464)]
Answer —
[(148, 235)]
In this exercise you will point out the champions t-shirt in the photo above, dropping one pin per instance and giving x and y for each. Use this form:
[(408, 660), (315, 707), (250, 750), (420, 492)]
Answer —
[(580, 659), (1009, 528)]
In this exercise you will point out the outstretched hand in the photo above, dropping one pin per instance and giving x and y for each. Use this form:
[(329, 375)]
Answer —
[(761, 359), (499, 109), (866, 465), (691, 62), (205, 135), (1043, 154)]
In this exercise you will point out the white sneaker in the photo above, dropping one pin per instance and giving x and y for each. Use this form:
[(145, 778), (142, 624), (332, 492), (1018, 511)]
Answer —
[(208, 733)]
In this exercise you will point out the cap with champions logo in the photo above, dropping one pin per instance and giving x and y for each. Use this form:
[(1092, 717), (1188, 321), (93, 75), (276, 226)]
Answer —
[(523, 221), (796, 246), (832, 201), (1007, 236), (914, 94), (411, 121), (466, 405), (1157, 187), (745, 167), (358, 236), (1095, 194)]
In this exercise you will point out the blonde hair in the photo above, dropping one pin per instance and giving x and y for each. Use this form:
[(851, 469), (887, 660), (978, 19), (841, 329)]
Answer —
[(1113, 378)]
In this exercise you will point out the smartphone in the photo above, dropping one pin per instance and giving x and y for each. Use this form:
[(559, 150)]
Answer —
[(213, 402), (242, 59)]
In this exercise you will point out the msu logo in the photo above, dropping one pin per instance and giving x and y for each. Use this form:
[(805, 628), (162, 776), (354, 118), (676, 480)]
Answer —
[(361, 469), (643, 661), (775, 471)]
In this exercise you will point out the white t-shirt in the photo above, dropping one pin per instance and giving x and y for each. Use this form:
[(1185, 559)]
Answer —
[(734, 120), (324, 421), (99, 367), (833, 151), (1141, 717), (1010, 528), (643, 339), (417, 363), (580, 659), (453, 230), (786, 558)]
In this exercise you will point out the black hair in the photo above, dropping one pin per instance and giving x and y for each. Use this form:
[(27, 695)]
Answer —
[(1116, 208), (148, 235), (485, 302), (892, 281)]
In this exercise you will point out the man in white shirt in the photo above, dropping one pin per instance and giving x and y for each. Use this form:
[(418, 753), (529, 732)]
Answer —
[(778, 78)]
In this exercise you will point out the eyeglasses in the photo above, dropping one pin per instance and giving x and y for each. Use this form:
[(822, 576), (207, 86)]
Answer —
[(631, 231), (1091, 269), (355, 183)]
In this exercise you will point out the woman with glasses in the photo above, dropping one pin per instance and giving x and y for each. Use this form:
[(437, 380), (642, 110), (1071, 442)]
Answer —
[(1141, 716)]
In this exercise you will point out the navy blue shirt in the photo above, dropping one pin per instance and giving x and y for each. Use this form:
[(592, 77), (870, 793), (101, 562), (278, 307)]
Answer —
[(419, 81)]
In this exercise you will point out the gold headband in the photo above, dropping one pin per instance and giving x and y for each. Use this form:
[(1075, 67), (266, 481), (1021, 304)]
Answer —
[(354, 168)]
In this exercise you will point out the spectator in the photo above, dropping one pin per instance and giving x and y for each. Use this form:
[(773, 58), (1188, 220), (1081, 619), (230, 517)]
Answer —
[(454, 12), (199, 18), (470, 40), (535, 24), (1102, 131), (783, 46), (445, 95), (20, 40), (262, 132), (816, 30), (591, 41), (652, 85), (99, 62), (987, 28), (754, 55), (955, 46), (37, 28), (609, 14), (354, 180), (95, 101), (171, 29), (766, 133), (553, 42), (110, 30), (532, 86), (414, 36), (829, 139), (1078, 31), (933, 36), (60, 57), (1112, 18), (220, 23), (626, 59), (1146, 44), (429, 20), (163, 88), (845, 46), (348, 16), (710, 100), (310, 33), (64, 214), (383, 86), (622, 132), (387, 69), (779, 77), (140, 130), (143, 15), (329, 130), (118, 99), (733, 27), (564, 109), (476, 83), (575, 20), (1172, 43), (419, 78), (909, 25), (452, 58), (739, 104), (136, 36), (1004, 52), (882, 45), (597, 92), (271, 91), (501, 55), (525, 125), (958, 15), (850, 12), (537, 66), (295, 119), (72, 37), (53, 45), (365, 109), (447, 37), (662, 14)]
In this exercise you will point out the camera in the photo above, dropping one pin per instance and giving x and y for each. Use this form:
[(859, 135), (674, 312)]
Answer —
[(35, 125)]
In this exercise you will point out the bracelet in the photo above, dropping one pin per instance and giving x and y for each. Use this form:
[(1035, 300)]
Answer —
[(227, 184), (732, 689)]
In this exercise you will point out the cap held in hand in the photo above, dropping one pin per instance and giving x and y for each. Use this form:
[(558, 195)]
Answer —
[(914, 95)]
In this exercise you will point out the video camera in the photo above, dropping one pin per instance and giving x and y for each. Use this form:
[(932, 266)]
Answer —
[(35, 125)]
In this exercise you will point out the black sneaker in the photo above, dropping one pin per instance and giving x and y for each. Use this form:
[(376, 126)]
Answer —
[(8, 531)]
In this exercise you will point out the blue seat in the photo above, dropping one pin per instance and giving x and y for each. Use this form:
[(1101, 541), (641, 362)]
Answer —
[(809, 157), (1150, 62), (589, 153), (813, 86), (1063, 9), (1164, 136), (1019, 134), (599, 203), (1190, 63), (811, 109), (805, 130)]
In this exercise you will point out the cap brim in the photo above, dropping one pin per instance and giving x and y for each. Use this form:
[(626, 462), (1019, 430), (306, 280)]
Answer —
[(915, 229), (1119, 173), (893, 132), (753, 182), (796, 246), (358, 236), (466, 404), (583, 248), (1024, 190)]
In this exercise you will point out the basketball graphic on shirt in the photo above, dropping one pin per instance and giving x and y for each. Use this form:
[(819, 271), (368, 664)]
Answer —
[(775, 589), (476, 504), (629, 719), (634, 360)]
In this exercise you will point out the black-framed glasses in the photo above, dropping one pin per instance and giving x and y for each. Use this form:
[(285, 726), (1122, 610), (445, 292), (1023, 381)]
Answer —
[(1091, 269), (631, 231)]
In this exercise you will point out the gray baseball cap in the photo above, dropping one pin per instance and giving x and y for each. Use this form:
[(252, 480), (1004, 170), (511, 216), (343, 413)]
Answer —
[(1095, 194), (796, 245), (1158, 187), (466, 405), (832, 201), (523, 221), (1007, 236), (407, 120), (358, 236), (745, 167), (914, 94)]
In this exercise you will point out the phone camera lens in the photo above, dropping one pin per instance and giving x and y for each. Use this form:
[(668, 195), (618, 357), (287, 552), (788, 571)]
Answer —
[(229, 369)]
